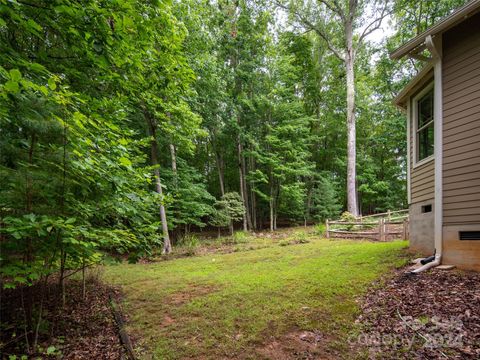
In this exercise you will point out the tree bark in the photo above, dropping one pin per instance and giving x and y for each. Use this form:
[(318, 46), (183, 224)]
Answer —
[(253, 202), (272, 210), (167, 246), (220, 167), (242, 187), (173, 153), (351, 125)]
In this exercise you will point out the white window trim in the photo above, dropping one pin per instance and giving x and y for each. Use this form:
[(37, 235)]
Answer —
[(426, 160)]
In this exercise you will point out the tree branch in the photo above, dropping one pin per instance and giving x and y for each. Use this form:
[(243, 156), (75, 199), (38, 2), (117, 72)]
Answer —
[(320, 32), (375, 24), (335, 7)]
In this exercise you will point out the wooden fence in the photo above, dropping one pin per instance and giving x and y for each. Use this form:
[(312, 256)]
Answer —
[(381, 227)]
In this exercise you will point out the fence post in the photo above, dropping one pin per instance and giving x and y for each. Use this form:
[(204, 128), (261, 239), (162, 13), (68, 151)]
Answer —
[(327, 229), (388, 215), (381, 230), (405, 226)]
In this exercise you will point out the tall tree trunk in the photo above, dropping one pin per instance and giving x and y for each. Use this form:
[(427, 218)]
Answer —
[(220, 168), (242, 187), (173, 153), (308, 203), (167, 246), (351, 131), (245, 190), (253, 202), (272, 206)]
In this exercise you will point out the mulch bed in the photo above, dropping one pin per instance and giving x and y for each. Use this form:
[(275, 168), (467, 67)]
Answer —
[(431, 315), (84, 329)]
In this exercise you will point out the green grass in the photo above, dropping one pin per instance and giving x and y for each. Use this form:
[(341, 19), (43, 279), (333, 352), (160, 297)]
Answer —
[(230, 305)]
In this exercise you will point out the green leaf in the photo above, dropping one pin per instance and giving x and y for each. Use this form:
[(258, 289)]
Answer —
[(51, 350), (51, 83), (11, 86), (15, 75), (124, 161), (44, 90)]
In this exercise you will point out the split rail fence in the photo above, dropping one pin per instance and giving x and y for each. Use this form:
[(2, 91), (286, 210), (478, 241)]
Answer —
[(381, 227)]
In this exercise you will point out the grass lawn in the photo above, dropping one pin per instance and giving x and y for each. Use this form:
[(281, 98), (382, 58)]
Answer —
[(253, 304)]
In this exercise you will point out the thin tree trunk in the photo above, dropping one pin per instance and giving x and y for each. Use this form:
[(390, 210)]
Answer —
[(271, 211), (242, 187), (173, 153), (220, 167), (253, 202), (351, 131), (245, 189), (63, 260), (167, 246), (84, 292), (308, 205)]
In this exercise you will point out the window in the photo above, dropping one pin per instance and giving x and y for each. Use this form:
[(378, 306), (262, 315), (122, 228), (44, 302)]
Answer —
[(424, 124)]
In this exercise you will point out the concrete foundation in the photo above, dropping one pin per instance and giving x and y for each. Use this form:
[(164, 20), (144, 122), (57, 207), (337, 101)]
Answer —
[(464, 254), (421, 229)]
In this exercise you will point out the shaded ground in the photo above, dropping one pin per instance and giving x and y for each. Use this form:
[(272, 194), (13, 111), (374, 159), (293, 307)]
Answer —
[(432, 315), (84, 329), (291, 296)]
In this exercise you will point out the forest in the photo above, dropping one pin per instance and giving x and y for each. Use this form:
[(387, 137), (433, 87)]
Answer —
[(126, 125)]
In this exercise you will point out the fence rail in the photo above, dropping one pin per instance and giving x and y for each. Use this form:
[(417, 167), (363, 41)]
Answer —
[(390, 225)]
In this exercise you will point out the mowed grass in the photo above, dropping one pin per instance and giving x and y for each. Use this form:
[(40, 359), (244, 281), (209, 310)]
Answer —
[(231, 305)]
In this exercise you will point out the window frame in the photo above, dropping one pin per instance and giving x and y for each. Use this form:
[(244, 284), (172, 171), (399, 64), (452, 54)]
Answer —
[(428, 88)]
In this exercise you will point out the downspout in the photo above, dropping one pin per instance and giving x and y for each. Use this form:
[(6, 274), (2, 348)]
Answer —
[(435, 48)]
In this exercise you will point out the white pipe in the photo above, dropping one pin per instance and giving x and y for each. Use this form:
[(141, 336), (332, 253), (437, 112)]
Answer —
[(436, 262), (435, 47)]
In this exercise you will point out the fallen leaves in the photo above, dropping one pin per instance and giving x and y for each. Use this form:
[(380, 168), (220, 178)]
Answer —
[(435, 314)]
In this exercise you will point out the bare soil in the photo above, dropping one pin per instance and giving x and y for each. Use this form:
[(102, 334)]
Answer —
[(305, 345)]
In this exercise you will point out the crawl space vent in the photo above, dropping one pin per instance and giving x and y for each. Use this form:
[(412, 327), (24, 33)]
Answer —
[(469, 235), (426, 208)]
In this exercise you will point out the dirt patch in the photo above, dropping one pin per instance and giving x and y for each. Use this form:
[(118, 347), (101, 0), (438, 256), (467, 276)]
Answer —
[(299, 345), (190, 293), (431, 315)]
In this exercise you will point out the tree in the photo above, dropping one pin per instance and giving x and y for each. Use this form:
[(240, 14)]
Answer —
[(228, 209), (336, 23)]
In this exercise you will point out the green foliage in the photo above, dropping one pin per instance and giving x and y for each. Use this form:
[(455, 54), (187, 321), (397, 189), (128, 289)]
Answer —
[(240, 237), (324, 200), (227, 210), (94, 95), (320, 229), (347, 217)]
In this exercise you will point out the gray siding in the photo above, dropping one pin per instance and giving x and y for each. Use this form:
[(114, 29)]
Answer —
[(461, 123)]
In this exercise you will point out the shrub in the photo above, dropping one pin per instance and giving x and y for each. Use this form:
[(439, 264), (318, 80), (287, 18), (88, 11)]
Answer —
[(320, 229), (240, 237)]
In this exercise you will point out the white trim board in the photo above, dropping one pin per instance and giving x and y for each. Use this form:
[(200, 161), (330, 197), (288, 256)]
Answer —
[(414, 103)]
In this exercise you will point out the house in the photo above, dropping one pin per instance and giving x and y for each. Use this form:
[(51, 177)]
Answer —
[(442, 104)]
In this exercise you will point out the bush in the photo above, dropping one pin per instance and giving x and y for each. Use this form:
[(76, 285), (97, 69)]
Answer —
[(321, 229), (348, 217), (302, 238), (189, 243), (189, 240), (240, 237)]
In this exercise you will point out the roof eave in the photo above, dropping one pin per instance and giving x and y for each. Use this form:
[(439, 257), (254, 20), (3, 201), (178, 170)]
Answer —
[(450, 21), (401, 99)]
